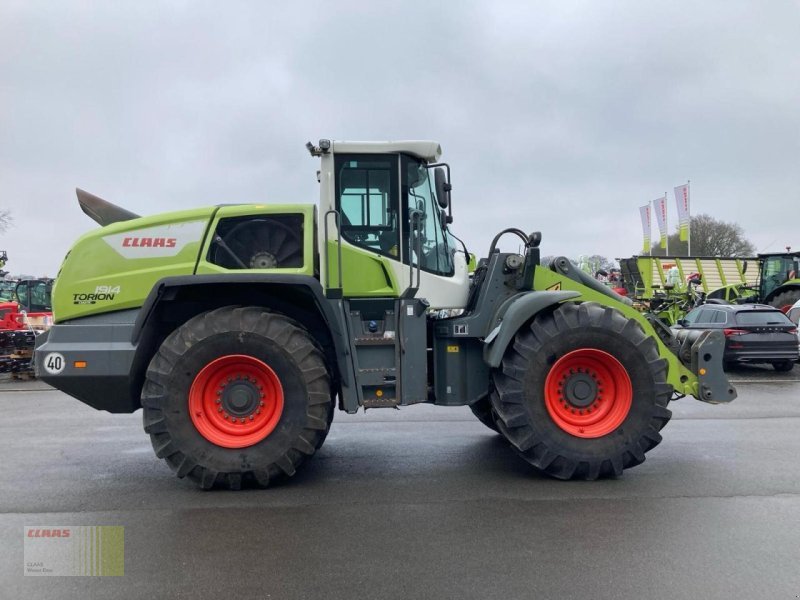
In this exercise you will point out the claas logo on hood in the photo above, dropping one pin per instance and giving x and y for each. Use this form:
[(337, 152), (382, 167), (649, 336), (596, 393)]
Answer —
[(149, 242)]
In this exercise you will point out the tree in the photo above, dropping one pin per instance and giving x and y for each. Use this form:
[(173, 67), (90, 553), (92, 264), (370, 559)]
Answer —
[(710, 237), (602, 262), (5, 220)]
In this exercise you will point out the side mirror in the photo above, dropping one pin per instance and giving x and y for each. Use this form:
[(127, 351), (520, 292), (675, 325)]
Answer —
[(682, 322), (535, 239), (744, 267), (443, 187)]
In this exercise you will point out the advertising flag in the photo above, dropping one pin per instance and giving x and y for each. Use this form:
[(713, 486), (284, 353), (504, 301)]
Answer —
[(644, 211), (682, 199), (660, 208)]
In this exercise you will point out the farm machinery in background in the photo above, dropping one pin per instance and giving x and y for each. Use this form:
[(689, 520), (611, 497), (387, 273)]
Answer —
[(669, 286), (25, 311)]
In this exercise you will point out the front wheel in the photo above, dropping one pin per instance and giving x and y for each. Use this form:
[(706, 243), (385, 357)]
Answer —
[(783, 366), (482, 409), (237, 396), (581, 393)]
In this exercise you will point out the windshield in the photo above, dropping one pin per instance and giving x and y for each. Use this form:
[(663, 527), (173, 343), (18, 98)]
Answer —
[(419, 195)]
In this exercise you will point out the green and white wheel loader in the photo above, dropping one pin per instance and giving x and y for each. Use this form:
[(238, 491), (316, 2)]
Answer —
[(239, 328)]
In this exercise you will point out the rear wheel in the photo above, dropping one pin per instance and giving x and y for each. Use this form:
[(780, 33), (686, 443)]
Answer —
[(783, 366), (581, 393), (785, 300), (237, 396)]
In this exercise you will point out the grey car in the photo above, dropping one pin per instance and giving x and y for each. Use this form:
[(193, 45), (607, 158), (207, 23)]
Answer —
[(754, 333)]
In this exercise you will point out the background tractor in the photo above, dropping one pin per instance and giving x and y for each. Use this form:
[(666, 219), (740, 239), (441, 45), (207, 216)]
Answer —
[(779, 279), (238, 328)]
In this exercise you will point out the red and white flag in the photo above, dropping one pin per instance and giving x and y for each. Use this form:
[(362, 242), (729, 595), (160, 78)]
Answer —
[(660, 208), (682, 200), (644, 211)]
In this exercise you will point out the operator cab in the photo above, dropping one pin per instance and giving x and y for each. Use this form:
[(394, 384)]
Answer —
[(778, 269), (386, 210)]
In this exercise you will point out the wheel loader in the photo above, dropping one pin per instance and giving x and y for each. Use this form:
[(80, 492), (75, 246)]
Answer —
[(239, 328)]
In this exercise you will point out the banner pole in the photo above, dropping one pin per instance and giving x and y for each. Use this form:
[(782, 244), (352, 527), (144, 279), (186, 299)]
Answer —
[(666, 221), (689, 214)]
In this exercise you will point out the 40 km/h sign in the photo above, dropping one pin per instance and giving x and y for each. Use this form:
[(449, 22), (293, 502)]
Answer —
[(54, 363)]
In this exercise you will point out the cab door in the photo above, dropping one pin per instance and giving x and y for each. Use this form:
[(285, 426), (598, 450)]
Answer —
[(393, 233), (367, 199)]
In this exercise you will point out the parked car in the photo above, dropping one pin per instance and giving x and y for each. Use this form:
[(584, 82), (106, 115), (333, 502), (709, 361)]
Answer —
[(794, 315), (754, 333)]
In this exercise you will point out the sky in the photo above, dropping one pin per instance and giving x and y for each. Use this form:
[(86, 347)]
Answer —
[(562, 117)]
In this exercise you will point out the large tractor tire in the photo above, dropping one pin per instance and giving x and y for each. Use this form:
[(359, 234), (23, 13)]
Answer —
[(237, 396), (482, 409), (785, 300), (581, 392)]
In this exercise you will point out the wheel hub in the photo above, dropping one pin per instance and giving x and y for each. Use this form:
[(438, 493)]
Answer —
[(580, 389), (240, 397), (236, 401), (588, 393)]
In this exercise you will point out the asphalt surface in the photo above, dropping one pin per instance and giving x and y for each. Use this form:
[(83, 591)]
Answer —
[(420, 503)]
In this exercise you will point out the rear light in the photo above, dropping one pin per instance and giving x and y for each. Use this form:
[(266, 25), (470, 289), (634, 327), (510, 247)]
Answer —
[(730, 332), (793, 330)]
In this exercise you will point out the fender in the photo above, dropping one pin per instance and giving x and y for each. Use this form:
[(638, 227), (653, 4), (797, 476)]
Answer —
[(512, 315), (792, 284), (247, 286)]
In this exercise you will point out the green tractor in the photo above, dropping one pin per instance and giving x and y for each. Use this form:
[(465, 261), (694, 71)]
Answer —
[(779, 281), (239, 328)]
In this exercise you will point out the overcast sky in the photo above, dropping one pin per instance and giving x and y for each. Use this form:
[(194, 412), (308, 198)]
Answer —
[(558, 116)]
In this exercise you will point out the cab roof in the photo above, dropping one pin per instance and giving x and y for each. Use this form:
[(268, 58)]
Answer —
[(427, 150), (792, 254)]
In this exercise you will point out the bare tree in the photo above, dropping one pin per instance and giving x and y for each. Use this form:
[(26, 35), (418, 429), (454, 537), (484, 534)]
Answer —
[(710, 237), (5, 220)]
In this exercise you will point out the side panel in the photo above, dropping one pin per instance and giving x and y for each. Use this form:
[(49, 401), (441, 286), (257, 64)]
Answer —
[(254, 239), (368, 275), (462, 376), (103, 344), (115, 267)]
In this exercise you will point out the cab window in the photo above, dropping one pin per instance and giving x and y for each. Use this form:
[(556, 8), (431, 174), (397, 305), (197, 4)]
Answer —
[(367, 200)]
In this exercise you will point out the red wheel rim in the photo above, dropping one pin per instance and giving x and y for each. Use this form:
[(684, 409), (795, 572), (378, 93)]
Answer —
[(236, 401), (588, 393)]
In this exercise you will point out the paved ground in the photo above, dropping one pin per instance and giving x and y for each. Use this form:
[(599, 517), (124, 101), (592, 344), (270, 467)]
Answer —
[(419, 503)]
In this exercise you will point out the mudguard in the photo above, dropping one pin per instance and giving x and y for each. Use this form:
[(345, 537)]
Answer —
[(513, 315)]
